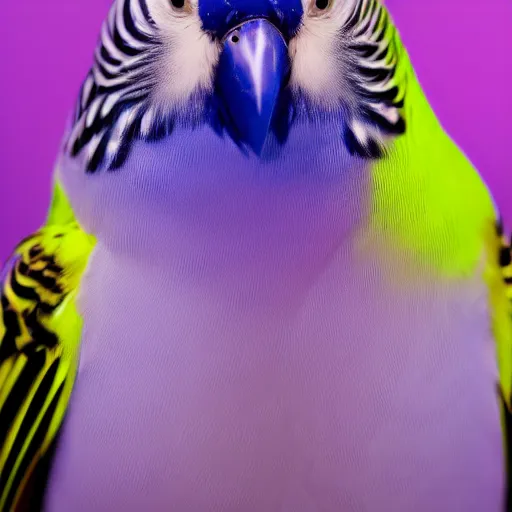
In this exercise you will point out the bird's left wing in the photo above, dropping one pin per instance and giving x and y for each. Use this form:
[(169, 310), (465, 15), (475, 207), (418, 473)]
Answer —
[(500, 286)]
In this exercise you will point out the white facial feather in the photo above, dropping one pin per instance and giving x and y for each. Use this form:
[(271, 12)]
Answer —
[(318, 68), (188, 56)]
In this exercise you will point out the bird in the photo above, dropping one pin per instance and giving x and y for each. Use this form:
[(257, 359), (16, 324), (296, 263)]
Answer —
[(268, 280)]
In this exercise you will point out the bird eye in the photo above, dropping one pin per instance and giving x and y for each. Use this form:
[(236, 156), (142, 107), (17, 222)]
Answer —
[(179, 5), (319, 7)]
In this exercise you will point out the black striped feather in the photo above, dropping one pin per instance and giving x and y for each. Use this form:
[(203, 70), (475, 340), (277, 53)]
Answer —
[(377, 70), (38, 356), (507, 425), (504, 260), (28, 400), (115, 94)]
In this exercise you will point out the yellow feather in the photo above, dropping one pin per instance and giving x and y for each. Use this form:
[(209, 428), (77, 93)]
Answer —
[(46, 270)]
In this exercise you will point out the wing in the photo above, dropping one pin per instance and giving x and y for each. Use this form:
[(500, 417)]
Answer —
[(501, 299), (39, 338)]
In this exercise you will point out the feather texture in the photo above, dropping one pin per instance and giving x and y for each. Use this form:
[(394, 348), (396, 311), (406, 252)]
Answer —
[(39, 336)]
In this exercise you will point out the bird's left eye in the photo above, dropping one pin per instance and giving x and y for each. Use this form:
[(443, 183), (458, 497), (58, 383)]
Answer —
[(319, 7)]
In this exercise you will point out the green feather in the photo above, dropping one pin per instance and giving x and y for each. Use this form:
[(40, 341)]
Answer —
[(40, 332)]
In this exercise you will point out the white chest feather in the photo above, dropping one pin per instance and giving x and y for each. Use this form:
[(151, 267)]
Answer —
[(239, 355)]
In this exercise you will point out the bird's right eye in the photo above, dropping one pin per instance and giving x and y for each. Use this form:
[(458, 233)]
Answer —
[(179, 5)]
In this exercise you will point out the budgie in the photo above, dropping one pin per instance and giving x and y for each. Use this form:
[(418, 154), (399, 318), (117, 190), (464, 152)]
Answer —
[(269, 280)]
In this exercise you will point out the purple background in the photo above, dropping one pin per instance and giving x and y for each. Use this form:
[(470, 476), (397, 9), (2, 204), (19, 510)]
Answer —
[(458, 48)]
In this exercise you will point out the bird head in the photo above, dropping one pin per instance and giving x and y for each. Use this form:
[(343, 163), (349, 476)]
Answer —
[(249, 68)]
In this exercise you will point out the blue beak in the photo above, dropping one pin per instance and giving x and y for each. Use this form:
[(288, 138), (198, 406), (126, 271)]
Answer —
[(252, 69)]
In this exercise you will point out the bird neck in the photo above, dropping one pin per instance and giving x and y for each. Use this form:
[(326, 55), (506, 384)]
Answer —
[(197, 204)]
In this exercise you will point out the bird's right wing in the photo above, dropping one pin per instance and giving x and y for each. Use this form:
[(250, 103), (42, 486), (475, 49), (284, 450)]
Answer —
[(39, 339)]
